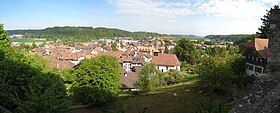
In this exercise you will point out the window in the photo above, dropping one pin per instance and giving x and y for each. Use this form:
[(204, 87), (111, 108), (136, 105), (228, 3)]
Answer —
[(251, 68), (259, 70)]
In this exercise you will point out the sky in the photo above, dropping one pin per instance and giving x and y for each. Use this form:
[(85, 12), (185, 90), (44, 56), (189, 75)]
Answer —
[(198, 17)]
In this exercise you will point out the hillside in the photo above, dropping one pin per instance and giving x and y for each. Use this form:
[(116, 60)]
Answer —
[(178, 98), (185, 36), (230, 38), (81, 33)]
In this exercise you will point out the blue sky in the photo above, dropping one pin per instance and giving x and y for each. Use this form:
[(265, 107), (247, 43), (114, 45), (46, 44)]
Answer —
[(199, 17)]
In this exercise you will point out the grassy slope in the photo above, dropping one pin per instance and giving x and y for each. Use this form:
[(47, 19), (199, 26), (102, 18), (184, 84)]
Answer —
[(170, 99)]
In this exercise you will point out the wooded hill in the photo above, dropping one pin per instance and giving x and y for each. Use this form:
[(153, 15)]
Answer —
[(230, 38), (82, 33)]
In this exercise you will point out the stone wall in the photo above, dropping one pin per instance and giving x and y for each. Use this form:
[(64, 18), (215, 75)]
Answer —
[(273, 62)]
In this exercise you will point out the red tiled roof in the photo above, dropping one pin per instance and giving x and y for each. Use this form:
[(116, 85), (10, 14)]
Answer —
[(61, 64), (138, 68), (129, 81), (127, 58), (39, 50), (166, 60), (260, 45), (111, 53), (138, 60)]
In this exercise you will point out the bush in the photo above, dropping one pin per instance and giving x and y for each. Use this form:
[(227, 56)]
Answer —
[(173, 77)]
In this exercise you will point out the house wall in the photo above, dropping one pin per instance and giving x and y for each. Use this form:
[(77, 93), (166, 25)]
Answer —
[(167, 68), (136, 64), (251, 69), (127, 66)]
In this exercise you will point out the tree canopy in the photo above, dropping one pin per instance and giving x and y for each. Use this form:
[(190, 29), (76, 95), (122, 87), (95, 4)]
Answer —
[(185, 51), (149, 78), (4, 40), (27, 85), (97, 80), (81, 33), (264, 28)]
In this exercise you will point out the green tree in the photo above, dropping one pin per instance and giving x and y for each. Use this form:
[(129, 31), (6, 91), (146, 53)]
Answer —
[(43, 44), (4, 40), (122, 46), (264, 28), (215, 73), (103, 44), (97, 80), (26, 86), (149, 78), (114, 46), (185, 51), (33, 45)]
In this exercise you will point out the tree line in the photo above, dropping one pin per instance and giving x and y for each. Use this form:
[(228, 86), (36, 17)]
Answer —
[(83, 33)]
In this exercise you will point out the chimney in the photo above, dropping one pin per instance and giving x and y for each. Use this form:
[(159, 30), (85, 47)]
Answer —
[(273, 62)]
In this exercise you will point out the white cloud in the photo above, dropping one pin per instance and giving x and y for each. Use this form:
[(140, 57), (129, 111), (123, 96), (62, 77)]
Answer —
[(237, 9), (152, 8), (195, 16)]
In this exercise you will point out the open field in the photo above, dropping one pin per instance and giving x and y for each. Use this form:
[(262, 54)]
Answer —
[(29, 41)]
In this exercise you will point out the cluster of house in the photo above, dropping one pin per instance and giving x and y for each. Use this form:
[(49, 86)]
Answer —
[(132, 56)]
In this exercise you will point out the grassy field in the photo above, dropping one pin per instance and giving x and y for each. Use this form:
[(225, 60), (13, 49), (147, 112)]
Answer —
[(25, 40), (29, 41), (179, 98)]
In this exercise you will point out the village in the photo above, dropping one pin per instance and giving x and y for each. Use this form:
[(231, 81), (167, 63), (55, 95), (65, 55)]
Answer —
[(132, 55)]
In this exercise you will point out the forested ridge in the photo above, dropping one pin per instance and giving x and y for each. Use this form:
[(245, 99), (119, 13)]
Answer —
[(81, 32)]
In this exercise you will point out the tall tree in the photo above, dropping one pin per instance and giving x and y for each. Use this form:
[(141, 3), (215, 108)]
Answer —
[(114, 46), (4, 40), (97, 80), (149, 78), (185, 51), (264, 28)]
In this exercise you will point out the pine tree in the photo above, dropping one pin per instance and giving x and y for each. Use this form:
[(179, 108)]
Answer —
[(264, 29)]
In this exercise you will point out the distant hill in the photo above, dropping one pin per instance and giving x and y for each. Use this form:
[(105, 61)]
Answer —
[(185, 36), (82, 33), (230, 38), (240, 39)]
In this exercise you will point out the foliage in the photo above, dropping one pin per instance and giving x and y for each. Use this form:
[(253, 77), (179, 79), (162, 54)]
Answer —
[(114, 46), (149, 78), (27, 86), (4, 40), (223, 73), (97, 80), (230, 38), (33, 45), (215, 73), (264, 28), (80, 34), (43, 44), (173, 77), (185, 51)]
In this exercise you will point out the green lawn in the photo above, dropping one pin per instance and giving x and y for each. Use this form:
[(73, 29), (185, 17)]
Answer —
[(191, 76), (25, 40), (169, 99)]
